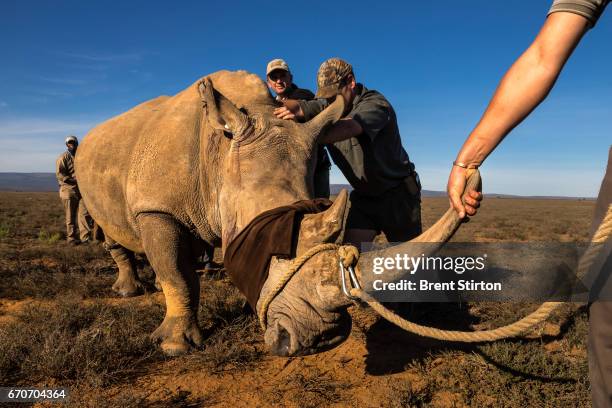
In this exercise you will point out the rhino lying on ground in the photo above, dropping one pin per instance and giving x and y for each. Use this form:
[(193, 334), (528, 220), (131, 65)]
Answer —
[(170, 176)]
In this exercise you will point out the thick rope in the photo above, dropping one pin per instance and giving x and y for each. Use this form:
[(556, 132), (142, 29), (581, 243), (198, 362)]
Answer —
[(296, 264), (512, 330), (349, 254)]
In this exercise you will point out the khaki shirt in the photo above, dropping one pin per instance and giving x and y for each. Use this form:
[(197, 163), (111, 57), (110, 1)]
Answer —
[(589, 9), (64, 172)]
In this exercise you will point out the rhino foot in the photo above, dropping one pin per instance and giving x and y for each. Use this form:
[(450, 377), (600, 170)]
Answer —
[(128, 287), (178, 335)]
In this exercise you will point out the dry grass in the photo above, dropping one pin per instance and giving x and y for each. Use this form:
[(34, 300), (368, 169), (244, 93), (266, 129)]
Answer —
[(308, 388), (91, 344), (520, 220), (508, 373), (234, 341), (60, 324)]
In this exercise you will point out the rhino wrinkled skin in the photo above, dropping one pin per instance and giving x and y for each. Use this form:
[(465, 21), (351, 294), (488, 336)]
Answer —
[(177, 172)]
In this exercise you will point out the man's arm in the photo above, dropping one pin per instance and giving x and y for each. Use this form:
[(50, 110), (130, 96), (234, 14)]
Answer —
[(523, 87), (61, 172), (300, 110), (341, 130)]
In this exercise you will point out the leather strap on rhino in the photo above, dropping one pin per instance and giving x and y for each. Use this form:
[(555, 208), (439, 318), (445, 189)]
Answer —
[(272, 232), (348, 256)]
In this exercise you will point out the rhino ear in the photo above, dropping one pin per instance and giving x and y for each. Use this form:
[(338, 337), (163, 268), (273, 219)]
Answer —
[(327, 226), (221, 113)]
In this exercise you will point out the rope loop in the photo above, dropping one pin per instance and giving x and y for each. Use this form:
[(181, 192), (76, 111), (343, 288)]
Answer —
[(348, 254)]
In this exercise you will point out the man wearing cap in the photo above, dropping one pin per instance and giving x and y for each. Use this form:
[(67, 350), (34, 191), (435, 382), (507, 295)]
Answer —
[(69, 193), (280, 81), (367, 147)]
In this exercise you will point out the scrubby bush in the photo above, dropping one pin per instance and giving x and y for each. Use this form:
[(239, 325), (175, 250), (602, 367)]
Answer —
[(92, 344)]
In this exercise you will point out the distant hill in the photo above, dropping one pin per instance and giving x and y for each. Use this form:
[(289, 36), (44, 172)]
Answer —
[(335, 189), (47, 182), (28, 182)]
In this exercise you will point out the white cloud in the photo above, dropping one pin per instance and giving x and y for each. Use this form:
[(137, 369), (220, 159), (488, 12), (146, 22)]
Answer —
[(100, 57), (32, 144), (504, 180), (525, 182), (37, 126), (65, 81)]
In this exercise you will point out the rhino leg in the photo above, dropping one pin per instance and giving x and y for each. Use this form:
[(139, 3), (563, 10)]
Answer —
[(127, 283), (168, 248)]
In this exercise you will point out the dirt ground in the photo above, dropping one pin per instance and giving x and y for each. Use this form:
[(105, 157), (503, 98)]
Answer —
[(61, 325)]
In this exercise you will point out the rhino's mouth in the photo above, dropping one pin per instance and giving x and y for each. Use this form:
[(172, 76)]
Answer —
[(288, 337)]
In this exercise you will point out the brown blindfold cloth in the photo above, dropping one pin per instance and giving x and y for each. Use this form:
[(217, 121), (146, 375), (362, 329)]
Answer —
[(272, 233)]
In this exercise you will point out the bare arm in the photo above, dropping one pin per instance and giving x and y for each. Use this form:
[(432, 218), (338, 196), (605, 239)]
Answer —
[(523, 87)]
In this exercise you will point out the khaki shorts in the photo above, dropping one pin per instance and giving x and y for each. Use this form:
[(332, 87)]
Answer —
[(397, 212)]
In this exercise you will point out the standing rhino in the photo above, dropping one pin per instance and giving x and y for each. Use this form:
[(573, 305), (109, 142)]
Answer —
[(171, 175)]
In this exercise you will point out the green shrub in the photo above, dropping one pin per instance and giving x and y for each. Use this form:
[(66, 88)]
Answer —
[(48, 237), (4, 231)]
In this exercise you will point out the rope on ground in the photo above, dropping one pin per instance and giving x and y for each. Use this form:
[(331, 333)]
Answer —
[(512, 330)]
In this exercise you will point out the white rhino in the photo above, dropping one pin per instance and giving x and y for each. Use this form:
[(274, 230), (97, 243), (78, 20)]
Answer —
[(171, 175)]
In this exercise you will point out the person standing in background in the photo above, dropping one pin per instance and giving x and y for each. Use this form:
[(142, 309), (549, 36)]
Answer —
[(74, 207)]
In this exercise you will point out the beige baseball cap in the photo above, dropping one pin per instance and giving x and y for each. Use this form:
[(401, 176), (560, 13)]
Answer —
[(277, 64), (330, 77)]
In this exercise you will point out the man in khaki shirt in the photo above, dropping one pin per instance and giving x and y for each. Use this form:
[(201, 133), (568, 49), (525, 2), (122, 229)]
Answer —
[(523, 87), (74, 206)]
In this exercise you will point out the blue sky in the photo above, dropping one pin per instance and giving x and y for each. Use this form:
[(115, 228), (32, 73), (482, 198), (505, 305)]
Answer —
[(68, 65)]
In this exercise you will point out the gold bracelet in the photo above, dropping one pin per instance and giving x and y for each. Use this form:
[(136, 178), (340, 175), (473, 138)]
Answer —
[(465, 166)]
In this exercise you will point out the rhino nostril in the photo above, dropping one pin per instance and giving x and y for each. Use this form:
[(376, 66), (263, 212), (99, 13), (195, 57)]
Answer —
[(283, 342)]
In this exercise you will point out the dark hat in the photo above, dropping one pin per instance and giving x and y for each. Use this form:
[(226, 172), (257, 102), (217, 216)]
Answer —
[(330, 77), (72, 139)]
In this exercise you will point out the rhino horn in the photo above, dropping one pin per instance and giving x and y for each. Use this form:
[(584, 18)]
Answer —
[(432, 239), (221, 113), (329, 116)]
